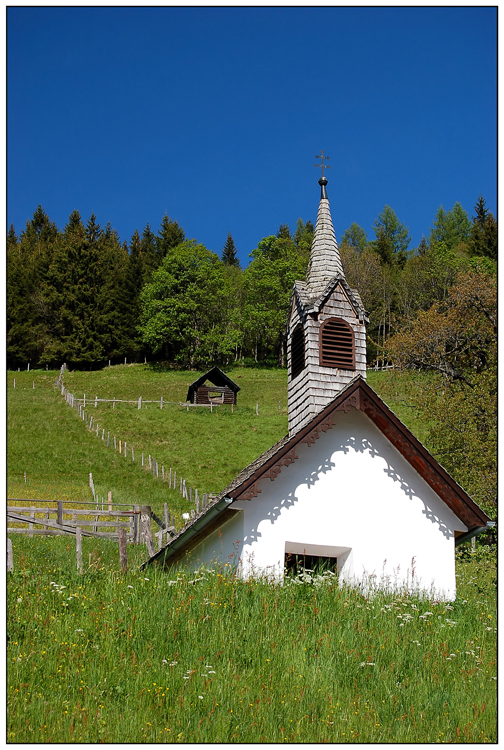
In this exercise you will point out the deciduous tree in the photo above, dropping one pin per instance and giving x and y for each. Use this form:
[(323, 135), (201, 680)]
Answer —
[(456, 342)]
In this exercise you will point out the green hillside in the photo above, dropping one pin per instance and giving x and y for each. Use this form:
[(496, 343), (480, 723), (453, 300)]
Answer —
[(57, 451)]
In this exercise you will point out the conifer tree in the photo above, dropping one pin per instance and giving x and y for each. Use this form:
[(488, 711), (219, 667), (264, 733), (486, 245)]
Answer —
[(483, 232), (27, 262), (229, 253), (149, 254), (284, 232), (71, 294), (169, 236)]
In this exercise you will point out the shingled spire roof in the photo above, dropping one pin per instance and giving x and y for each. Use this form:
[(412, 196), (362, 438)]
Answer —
[(325, 261)]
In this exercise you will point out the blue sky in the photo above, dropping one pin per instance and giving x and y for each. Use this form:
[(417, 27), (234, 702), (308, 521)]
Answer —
[(215, 115)]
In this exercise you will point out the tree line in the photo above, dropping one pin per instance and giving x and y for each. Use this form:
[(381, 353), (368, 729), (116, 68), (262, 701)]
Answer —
[(81, 296)]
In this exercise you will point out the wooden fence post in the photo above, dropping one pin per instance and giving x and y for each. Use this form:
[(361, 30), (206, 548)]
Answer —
[(84, 402), (59, 519), (161, 403), (166, 515), (123, 554), (109, 500), (145, 519), (78, 547), (136, 525), (139, 402), (257, 410), (10, 558)]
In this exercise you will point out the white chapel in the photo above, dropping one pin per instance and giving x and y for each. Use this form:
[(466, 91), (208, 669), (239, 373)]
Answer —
[(349, 486)]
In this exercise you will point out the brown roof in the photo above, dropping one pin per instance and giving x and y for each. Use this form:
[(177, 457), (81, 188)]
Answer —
[(356, 395)]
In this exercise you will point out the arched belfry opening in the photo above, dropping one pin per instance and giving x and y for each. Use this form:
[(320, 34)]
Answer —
[(326, 327)]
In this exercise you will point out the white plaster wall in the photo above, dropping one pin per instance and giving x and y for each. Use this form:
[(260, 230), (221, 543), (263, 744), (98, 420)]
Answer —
[(350, 490), (221, 547)]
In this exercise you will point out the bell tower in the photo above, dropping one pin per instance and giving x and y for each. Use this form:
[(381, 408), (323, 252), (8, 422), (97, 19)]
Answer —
[(326, 326)]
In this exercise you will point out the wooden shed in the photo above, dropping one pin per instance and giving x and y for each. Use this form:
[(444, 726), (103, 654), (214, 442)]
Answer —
[(214, 387)]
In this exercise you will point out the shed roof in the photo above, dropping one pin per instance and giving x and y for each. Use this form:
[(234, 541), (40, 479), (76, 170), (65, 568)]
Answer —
[(357, 395), (215, 376)]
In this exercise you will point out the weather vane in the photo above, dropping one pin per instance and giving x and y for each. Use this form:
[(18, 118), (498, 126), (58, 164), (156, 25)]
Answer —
[(322, 157)]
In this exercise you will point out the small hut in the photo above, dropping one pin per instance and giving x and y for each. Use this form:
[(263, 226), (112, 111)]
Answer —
[(214, 387)]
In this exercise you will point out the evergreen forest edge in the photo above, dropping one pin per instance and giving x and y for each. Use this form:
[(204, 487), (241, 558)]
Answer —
[(82, 297)]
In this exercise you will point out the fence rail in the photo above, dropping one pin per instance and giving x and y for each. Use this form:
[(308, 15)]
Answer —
[(135, 521)]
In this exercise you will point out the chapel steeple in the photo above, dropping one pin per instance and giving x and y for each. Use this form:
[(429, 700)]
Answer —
[(325, 261), (326, 332)]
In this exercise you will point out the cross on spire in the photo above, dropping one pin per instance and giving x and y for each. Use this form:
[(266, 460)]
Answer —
[(322, 157)]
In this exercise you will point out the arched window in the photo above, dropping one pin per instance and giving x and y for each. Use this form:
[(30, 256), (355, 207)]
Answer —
[(337, 344), (297, 352)]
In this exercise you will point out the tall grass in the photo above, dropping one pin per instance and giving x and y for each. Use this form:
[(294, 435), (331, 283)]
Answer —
[(205, 657)]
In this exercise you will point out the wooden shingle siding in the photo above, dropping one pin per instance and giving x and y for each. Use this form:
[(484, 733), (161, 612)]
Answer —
[(202, 395), (318, 384)]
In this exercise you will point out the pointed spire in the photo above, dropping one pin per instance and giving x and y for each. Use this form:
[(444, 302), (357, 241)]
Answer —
[(325, 261)]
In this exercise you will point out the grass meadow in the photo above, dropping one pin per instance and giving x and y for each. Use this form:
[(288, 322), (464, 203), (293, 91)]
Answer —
[(148, 656)]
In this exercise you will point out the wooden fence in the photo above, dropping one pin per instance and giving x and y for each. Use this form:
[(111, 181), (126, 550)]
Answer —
[(53, 518), (148, 462)]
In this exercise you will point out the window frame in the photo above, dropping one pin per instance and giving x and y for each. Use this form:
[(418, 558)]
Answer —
[(341, 357), (299, 329)]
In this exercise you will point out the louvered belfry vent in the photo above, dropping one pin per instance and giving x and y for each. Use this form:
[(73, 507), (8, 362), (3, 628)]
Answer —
[(337, 344), (297, 352)]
